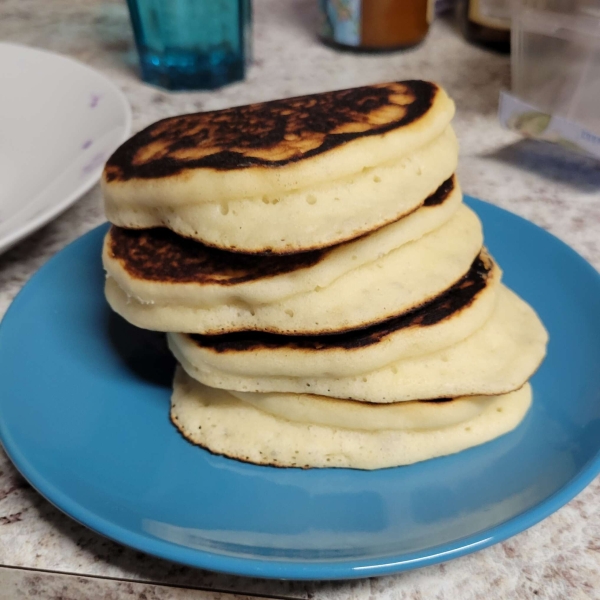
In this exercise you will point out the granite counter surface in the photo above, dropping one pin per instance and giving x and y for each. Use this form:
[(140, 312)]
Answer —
[(558, 558)]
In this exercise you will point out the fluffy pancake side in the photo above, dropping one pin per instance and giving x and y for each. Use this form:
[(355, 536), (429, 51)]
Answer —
[(447, 319), (157, 265), (389, 286), (214, 176), (496, 359), (224, 424), (304, 218)]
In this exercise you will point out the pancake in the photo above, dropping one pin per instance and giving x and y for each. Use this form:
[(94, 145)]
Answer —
[(156, 265), (289, 175), (498, 358), (445, 321), (389, 286), (224, 424)]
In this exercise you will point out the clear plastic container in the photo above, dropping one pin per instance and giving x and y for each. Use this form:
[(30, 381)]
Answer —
[(555, 72)]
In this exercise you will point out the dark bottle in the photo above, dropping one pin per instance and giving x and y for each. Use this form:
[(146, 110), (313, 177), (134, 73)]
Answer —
[(486, 22)]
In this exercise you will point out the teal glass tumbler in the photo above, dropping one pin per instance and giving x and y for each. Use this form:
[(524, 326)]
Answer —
[(192, 44)]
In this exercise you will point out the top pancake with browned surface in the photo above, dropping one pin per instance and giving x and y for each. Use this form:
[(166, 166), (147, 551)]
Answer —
[(289, 175), (269, 134)]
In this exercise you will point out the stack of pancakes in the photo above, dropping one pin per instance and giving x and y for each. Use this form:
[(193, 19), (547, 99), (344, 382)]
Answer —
[(324, 289)]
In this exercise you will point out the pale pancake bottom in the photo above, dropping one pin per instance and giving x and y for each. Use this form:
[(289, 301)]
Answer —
[(224, 424)]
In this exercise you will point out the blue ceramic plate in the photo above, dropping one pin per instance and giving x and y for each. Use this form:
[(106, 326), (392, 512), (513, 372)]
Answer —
[(84, 401)]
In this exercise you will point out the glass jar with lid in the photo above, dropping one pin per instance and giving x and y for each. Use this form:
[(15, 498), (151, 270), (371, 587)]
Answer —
[(374, 25)]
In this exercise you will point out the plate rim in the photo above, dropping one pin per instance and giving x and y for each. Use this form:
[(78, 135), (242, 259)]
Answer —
[(292, 569), (56, 208)]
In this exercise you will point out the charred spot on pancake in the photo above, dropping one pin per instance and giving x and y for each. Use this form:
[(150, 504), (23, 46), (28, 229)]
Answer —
[(441, 194), (453, 300), (436, 400), (161, 255), (269, 134)]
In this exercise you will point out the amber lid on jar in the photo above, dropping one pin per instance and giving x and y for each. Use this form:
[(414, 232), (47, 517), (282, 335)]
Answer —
[(375, 25)]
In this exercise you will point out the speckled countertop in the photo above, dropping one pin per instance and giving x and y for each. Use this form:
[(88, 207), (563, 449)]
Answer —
[(45, 554)]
